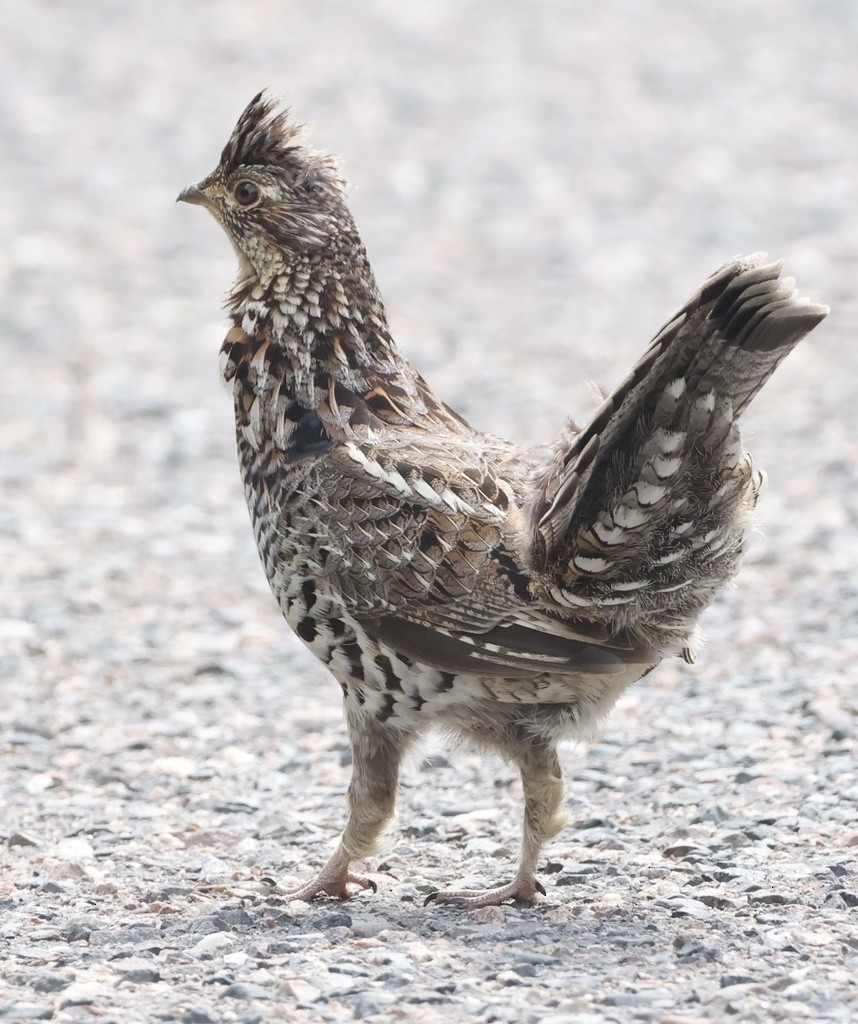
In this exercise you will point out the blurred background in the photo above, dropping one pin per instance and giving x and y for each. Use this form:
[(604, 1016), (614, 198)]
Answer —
[(539, 187)]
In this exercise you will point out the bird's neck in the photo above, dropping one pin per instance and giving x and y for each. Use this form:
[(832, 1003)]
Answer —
[(315, 334)]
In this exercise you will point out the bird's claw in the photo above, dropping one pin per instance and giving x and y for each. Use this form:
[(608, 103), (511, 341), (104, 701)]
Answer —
[(522, 890), (336, 886)]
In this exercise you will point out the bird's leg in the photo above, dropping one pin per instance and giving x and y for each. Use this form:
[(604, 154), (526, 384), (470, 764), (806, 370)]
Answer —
[(544, 817), (370, 803)]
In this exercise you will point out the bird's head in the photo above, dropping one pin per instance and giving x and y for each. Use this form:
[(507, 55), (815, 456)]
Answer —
[(274, 198)]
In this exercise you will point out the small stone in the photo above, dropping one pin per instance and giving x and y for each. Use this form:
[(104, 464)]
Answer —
[(539, 959), (716, 815), (389, 957), (237, 757), (167, 893), (625, 999), (76, 848), (167, 841), (50, 887), (715, 901), (770, 899), (77, 931), (47, 982), (205, 925), (213, 943), (158, 907), (141, 975), (680, 851), (482, 846), (25, 1011), (175, 767), (299, 990), (338, 920), (682, 907), (370, 1004), (245, 990), (736, 840), (21, 839), (41, 783), (804, 989), (64, 871), (729, 980), (212, 668), (686, 946), (212, 868), (367, 925), (488, 915), (233, 917), (83, 993), (194, 1015), (350, 970)]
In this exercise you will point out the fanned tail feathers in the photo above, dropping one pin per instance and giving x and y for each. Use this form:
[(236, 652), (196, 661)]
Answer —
[(643, 513)]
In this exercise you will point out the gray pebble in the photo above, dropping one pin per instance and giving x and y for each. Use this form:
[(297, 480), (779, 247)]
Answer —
[(370, 1004), (729, 980), (141, 976), (338, 920), (352, 970), (230, 918), (245, 990), (195, 1015), (20, 839), (367, 925), (25, 1011), (538, 959), (47, 982)]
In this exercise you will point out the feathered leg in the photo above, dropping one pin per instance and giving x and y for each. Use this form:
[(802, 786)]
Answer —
[(370, 801), (544, 817)]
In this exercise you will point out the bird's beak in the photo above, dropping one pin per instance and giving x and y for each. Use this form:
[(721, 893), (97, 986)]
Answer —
[(193, 194)]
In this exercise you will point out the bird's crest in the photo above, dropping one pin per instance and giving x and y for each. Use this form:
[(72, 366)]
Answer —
[(262, 136), (266, 137)]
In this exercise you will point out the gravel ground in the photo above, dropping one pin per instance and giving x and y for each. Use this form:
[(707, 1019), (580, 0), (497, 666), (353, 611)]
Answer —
[(539, 186)]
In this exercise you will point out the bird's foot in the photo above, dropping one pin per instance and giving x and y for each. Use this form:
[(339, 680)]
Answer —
[(333, 880), (524, 890), (337, 887)]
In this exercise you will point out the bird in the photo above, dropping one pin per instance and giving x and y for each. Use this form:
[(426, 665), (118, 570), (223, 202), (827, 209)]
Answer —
[(449, 579)]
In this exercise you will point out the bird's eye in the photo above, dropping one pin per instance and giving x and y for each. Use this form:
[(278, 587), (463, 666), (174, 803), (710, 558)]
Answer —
[(246, 193)]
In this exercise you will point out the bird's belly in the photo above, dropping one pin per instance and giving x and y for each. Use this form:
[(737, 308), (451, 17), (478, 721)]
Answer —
[(379, 682)]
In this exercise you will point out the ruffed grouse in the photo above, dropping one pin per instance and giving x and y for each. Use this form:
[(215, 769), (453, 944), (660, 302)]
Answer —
[(451, 578)]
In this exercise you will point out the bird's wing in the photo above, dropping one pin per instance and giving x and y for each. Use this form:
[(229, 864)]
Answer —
[(656, 489), (417, 541)]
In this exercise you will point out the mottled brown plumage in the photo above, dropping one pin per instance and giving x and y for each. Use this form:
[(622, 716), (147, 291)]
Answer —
[(451, 578)]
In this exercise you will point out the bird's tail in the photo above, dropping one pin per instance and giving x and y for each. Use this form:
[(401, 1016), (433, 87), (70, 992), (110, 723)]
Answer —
[(651, 497)]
